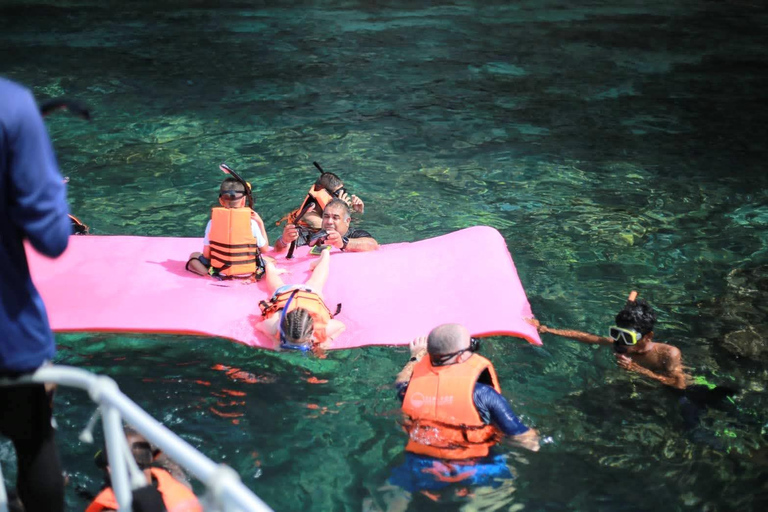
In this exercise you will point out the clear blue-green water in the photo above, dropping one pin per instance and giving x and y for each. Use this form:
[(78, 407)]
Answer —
[(615, 144)]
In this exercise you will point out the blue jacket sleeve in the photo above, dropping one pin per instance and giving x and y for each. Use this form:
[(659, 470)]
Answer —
[(494, 408), (39, 204)]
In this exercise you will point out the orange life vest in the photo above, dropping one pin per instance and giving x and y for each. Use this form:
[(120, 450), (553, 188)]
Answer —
[(176, 497), (442, 420), (320, 197), (233, 246), (310, 301)]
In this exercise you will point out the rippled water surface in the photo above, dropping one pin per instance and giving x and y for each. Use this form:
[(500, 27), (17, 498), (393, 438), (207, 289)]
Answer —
[(615, 144)]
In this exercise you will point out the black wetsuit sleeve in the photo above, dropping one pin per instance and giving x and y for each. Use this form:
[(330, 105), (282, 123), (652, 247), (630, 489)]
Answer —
[(494, 408), (359, 233)]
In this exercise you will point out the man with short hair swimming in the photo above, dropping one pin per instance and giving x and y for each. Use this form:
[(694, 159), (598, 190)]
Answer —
[(632, 341)]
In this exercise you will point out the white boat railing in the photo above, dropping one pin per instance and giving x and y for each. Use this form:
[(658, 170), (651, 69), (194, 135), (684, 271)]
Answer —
[(225, 490)]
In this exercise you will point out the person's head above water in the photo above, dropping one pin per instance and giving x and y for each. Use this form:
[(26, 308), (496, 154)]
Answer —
[(637, 316), (329, 181), (140, 449), (447, 338), (296, 328), (336, 216), (232, 193), (450, 344)]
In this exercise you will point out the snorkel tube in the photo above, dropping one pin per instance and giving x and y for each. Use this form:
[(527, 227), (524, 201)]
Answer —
[(618, 347), (248, 192), (304, 210), (332, 193)]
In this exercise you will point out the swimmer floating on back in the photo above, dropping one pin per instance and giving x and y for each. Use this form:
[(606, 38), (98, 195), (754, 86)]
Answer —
[(296, 315)]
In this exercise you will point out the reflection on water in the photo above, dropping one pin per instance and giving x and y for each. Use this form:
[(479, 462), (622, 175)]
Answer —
[(615, 145)]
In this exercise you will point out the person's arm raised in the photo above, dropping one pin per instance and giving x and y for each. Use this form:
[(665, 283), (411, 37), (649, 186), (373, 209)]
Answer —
[(418, 350), (583, 337), (290, 234)]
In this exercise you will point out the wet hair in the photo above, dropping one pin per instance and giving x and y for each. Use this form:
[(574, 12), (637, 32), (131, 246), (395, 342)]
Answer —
[(231, 184), (140, 448), (297, 326), (336, 202), (637, 315), (329, 181)]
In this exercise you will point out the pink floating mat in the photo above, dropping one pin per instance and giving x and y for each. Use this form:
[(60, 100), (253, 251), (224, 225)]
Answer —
[(388, 297)]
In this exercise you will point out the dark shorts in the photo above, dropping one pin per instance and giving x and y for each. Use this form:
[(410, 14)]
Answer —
[(420, 473), (26, 412)]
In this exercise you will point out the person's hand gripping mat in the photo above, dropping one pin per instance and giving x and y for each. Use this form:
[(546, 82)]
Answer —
[(388, 297)]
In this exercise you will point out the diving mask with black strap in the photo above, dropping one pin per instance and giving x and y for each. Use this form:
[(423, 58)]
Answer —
[(248, 191), (442, 359)]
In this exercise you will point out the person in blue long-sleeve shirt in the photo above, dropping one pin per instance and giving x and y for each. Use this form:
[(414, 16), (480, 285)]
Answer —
[(33, 207), (455, 414)]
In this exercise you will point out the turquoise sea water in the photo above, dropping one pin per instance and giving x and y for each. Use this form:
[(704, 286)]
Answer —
[(616, 145)]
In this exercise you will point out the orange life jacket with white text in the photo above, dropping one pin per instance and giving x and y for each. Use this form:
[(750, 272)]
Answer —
[(176, 497), (442, 420), (310, 301), (233, 247)]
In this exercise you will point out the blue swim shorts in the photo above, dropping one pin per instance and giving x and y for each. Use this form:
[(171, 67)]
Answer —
[(421, 473)]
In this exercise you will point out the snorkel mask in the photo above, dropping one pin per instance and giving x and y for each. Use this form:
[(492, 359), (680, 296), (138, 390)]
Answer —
[(318, 238), (318, 186), (284, 343), (623, 337), (233, 193), (440, 359)]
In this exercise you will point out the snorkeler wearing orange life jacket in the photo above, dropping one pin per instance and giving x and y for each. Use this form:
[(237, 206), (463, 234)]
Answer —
[(452, 399), (234, 236), (454, 415), (327, 187), (296, 316), (304, 223), (176, 497)]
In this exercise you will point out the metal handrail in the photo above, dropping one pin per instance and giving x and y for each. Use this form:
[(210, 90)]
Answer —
[(225, 489)]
